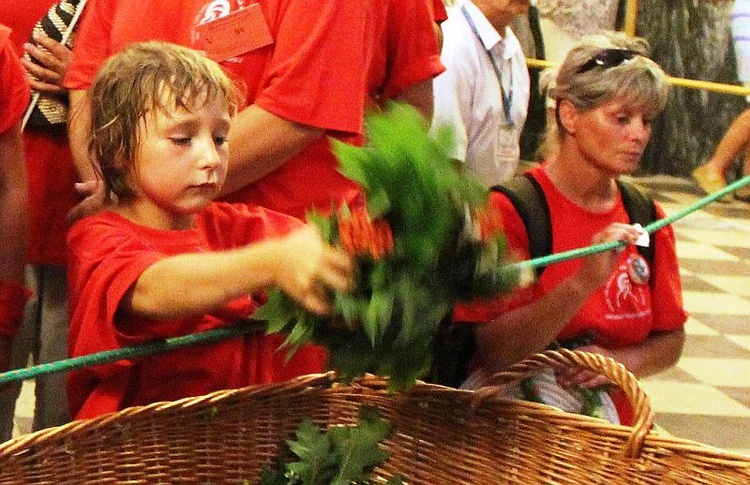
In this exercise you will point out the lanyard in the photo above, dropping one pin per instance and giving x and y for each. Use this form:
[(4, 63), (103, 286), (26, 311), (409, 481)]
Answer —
[(507, 97)]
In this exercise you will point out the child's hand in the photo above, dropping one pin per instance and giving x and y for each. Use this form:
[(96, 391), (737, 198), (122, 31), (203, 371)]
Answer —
[(310, 268)]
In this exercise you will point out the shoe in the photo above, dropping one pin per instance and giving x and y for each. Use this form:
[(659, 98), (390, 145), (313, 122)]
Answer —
[(708, 179), (743, 194)]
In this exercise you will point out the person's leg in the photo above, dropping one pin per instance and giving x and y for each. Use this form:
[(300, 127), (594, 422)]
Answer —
[(23, 347), (711, 176), (51, 402), (743, 193)]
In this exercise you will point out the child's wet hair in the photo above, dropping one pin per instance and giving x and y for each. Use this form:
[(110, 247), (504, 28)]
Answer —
[(146, 77)]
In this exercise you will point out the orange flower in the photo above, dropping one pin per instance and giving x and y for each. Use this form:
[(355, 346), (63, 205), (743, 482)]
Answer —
[(487, 223), (361, 235)]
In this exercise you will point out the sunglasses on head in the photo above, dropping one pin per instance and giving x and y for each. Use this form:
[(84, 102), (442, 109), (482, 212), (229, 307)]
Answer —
[(608, 58)]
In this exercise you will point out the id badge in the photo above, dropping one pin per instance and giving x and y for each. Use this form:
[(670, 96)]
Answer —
[(235, 34), (508, 146)]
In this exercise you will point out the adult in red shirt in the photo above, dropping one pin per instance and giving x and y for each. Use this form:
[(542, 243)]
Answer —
[(306, 72), (51, 178), (14, 95), (607, 93)]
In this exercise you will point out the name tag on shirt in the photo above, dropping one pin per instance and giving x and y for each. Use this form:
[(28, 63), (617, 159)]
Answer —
[(235, 34), (508, 148)]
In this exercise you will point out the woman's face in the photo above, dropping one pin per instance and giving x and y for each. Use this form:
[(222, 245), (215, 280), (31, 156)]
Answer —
[(612, 136)]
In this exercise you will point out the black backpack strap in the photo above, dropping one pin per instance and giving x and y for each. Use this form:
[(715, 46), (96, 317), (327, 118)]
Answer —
[(454, 345), (527, 197), (641, 210)]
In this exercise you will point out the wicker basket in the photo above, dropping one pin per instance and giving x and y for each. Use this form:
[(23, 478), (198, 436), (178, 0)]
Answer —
[(443, 436)]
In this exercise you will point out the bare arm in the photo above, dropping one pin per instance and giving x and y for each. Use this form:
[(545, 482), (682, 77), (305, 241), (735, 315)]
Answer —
[(78, 127), (13, 205), (529, 329), (660, 351), (735, 140), (420, 96), (260, 143), (300, 264), (13, 218)]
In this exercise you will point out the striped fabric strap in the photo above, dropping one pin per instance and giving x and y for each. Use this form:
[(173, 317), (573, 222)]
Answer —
[(58, 24)]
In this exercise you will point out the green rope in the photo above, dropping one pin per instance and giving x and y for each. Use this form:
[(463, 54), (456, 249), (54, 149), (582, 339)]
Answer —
[(651, 228), (150, 348), (243, 328)]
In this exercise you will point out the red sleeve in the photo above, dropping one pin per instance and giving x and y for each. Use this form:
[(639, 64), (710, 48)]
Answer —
[(437, 8), (92, 46), (518, 250), (413, 52), (666, 293), (317, 75), (231, 225), (105, 261), (14, 87)]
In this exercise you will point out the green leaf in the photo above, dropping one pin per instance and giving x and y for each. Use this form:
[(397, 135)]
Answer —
[(352, 161), (395, 480), (270, 476), (313, 447), (278, 311), (357, 447), (324, 224)]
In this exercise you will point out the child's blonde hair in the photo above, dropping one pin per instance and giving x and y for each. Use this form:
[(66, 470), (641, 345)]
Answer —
[(144, 77)]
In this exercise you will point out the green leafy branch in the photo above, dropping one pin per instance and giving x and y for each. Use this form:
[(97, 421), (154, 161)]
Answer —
[(343, 455), (386, 326)]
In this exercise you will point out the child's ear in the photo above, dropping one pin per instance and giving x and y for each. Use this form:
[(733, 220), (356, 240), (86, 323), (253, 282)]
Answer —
[(568, 114)]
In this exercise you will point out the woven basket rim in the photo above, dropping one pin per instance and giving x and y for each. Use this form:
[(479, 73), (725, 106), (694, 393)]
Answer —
[(329, 382)]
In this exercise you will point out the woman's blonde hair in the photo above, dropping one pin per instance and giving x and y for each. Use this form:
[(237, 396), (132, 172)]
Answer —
[(587, 83), (144, 77)]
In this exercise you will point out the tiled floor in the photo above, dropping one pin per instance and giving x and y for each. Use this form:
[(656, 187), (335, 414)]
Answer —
[(706, 397)]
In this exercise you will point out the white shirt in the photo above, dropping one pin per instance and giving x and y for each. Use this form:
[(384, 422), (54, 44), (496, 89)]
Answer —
[(468, 97)]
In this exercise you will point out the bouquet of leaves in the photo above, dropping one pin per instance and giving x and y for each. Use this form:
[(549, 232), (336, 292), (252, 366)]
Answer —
[(423, 242)]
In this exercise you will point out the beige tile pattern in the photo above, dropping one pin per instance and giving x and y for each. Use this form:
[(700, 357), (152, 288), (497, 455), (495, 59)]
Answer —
[(706, 398)]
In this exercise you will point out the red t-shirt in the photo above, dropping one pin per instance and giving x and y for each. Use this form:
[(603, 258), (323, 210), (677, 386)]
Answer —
[(108, 254), (439, 13), (406, 50), (14, 88), (49, 162), (22, 20), (314, 73), (622, 312)]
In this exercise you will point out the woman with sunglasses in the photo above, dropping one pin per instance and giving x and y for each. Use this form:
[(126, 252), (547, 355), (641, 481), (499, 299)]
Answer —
[(607, 93)]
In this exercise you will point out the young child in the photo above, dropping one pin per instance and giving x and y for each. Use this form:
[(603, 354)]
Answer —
[(164, 259)]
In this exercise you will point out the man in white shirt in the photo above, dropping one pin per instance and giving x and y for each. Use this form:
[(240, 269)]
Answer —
[(484, 93)]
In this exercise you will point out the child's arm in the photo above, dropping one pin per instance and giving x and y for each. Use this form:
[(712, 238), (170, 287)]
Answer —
[(301, 264)]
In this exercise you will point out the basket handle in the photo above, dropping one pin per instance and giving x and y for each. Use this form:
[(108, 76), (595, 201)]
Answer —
[(608, 367)]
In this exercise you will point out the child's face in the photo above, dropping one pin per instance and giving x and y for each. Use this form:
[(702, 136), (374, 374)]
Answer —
[(181, 163)]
